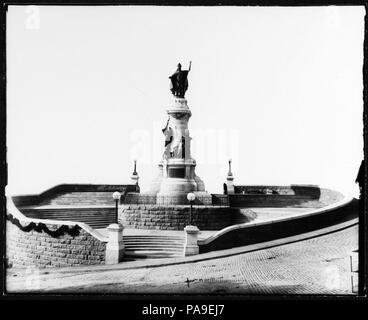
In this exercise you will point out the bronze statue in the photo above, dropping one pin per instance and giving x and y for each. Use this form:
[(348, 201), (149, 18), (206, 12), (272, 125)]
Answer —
[(179, 81)]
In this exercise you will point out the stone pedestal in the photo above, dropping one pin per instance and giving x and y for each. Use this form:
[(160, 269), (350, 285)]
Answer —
[(134, 178), (177, 175), (191, 240), (115, 245), (230, 184)]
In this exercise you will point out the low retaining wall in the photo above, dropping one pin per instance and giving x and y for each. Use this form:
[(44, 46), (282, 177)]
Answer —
[(174, 217), (48, 243), (269, 200), (283, 196), (312, 191), (247, 234)]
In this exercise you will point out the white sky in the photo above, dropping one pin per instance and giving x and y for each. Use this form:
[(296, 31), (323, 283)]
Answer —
[(278, 90)]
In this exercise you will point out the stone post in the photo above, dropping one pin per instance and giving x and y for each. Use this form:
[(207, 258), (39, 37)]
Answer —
[(115, 245), (191, 238), (230, 185)]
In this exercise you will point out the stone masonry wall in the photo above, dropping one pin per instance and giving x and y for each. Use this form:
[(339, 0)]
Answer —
[(36, 247), (174, 217)]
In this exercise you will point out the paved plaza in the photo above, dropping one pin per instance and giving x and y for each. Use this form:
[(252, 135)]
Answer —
[(319, 265)]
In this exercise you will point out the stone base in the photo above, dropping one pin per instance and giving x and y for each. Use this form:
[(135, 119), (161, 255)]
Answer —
[(191, 250), (173, 186), (180, 198), (114, 254), (174, 217), (230, 185)]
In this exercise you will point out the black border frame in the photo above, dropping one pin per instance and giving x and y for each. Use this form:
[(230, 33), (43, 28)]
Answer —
[(363, 227)]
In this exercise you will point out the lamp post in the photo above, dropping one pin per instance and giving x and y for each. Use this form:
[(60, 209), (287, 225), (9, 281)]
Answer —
[(191, 197), (229, 180), (116, 196)]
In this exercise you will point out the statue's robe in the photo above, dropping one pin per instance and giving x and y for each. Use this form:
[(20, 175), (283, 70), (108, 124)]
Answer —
[(179, 83), (176, 145)]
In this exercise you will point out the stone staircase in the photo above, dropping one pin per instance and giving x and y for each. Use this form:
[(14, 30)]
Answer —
[(79, 199), (95, 217), (153, 246)]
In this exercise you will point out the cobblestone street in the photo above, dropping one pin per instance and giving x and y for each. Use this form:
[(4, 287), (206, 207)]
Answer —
[(319, 265)]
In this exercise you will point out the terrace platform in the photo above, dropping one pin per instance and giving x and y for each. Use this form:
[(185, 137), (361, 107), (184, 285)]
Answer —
[(256, 216)]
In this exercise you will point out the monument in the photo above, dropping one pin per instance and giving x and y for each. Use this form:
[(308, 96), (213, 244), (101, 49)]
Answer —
[(177, 175)]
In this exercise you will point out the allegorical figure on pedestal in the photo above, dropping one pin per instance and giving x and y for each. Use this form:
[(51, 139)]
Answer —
[(179, 81), (174, 142), (168, 133)]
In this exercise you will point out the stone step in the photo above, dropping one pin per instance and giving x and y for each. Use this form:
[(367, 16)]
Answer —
[(164, 239), (153, 245), (154, 249), (89, 222), (134, 238), (66, 217), (94, 217), (79, 198), (140, 241), (71, 212), (153, 240), (151, 254), (161, 241)]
